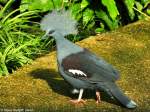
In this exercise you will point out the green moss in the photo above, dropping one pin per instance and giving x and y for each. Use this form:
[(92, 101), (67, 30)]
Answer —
[(40, 87)]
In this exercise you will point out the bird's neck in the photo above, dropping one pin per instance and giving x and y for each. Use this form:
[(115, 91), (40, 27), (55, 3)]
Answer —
[(65, 47)]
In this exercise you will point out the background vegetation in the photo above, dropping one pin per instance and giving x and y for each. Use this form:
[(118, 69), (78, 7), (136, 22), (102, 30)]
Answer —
[(20, 35)]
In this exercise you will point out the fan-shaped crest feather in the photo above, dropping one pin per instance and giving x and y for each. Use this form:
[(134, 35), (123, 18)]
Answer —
[(59, 21)]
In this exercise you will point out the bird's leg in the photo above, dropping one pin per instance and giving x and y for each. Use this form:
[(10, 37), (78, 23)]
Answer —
[(79, 100), (98, 97)]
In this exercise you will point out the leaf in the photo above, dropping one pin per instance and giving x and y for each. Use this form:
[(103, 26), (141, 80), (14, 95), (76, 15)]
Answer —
[(111, 24), (101, 28), (129, 4), (88, 15), (3, 69), (139, 6), (7, 50), (3, 1), (145, 3), (148, 11), (76, 11), (84, 4), (111, 7), (57, 3), (6, 7), (43, 5), (98, 30), (90, 25)]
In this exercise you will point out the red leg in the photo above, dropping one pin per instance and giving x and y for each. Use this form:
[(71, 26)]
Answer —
[(98, 98), (79, 100)]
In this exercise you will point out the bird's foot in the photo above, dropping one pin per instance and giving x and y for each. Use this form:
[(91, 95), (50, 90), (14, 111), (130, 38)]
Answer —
[(98, 98), (78, 102), (98, 101)]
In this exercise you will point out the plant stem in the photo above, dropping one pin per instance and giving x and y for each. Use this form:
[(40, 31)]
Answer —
[(53, 4), (6, 7), (4, 69), (148, 17)]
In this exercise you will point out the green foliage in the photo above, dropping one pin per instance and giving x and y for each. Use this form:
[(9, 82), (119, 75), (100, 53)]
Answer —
[(19, 40), (142, 9), (148, 12), (3, 10), (111, 7), (3, 1), (20, 37), (102, 15), (145, 3), (139, 7), (84, 4), (14, 43), (42, 5), (87, 16), (91, 14), (129, 4)]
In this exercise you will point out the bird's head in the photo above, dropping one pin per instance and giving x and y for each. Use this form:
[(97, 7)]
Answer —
[(58, 22)]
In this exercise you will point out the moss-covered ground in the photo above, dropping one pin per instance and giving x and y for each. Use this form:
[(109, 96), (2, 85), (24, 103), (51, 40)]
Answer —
[(39, 87)]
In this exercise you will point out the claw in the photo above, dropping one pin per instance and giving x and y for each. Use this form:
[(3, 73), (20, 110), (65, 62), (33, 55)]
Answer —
[(98, 98), (78, 102)]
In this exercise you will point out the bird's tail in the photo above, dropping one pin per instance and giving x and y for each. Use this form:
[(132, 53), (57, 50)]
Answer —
[(115, 91)]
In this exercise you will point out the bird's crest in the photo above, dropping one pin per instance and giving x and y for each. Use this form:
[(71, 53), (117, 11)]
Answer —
[(61, 22)]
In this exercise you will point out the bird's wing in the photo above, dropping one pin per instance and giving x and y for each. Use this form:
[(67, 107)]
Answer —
[(86, 66), (101, 62)]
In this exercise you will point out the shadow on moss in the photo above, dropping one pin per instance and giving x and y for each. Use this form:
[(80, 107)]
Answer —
[(58, 85)]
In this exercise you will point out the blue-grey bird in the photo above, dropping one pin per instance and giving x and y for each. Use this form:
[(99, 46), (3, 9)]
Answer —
[(78, 66)]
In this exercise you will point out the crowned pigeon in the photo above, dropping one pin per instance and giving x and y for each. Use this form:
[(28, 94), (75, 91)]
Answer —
[(78, 66)]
